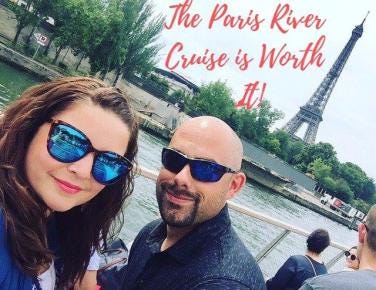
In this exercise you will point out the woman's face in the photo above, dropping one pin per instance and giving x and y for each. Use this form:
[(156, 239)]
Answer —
[(350, 261), (63, 186)]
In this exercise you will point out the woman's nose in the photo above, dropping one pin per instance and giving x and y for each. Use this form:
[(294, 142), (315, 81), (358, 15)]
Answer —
[(82, 167)]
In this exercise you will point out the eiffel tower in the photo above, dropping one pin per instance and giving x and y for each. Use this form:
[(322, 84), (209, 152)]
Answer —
[(312, 111)]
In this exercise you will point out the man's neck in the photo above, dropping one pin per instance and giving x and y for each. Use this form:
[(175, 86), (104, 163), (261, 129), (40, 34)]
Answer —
[(368, 260), (174, 234), (314, 256)]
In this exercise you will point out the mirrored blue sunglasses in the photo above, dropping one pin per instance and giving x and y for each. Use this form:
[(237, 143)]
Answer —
[(201, 169), (68, 144)]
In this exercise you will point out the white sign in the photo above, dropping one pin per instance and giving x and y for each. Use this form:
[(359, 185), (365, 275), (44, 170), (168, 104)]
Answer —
[(41, 39)]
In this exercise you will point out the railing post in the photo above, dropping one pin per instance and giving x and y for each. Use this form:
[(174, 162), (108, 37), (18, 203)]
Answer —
[(265, 251), (334, 260)]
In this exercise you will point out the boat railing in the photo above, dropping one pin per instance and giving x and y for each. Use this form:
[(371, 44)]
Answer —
[(285, 227)]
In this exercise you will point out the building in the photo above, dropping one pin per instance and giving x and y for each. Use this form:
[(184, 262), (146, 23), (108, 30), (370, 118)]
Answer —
[(177, 82)]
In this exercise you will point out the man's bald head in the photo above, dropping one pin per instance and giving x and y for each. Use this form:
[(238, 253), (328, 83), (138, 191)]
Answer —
[(215, 133)]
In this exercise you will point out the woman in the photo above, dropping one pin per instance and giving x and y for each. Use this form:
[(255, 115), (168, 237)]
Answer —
[(352, 260), (66, 153)]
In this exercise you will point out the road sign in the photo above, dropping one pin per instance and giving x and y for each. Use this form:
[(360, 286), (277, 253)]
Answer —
[(41, 39)]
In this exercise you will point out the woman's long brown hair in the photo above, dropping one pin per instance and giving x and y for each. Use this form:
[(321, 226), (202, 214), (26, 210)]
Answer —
[(81, 229)]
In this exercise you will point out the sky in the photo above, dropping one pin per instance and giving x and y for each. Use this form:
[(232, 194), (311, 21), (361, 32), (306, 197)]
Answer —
[(349, 119)]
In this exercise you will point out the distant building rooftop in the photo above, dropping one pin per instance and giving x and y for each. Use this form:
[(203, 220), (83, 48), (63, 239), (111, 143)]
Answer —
[(175, 76)]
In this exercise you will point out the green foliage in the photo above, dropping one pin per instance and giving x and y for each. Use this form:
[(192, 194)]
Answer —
[(283, 139), (141, 31), (23, 17), (179, 97), (115, 34), (368, 191), (343, 190), (329, 183), (361, 205), (294, 151), (354, 175), (213, 99), (319, 169), (272, 144), (255, 124)]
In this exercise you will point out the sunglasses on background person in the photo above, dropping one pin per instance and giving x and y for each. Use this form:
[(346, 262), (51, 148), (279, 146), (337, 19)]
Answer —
[(67, 144), (352, 256), (201, 169)]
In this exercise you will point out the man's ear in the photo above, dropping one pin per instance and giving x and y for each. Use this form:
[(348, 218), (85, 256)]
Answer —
[(236, 184), (361, 233)]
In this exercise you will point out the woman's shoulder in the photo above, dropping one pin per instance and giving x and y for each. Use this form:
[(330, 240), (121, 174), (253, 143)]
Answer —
[(3, 239), (10, 276), (4, 250)]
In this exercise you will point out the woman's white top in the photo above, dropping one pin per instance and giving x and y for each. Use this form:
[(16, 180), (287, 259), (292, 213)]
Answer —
[(47, 279)]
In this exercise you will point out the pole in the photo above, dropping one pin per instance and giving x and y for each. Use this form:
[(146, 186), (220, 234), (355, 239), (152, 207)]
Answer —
[(36, 51)]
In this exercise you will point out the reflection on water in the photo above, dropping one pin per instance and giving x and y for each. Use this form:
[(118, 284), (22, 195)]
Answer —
[(142, 207), (13, 83)]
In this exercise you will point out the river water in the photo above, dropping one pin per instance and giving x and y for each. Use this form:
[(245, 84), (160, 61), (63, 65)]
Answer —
[(142, 207)]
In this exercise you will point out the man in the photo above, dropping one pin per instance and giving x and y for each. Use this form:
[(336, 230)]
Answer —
[(299, 268), (365, 277), (194, 245)]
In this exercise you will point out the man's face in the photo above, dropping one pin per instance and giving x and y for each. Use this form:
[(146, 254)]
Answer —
[(184, 201)]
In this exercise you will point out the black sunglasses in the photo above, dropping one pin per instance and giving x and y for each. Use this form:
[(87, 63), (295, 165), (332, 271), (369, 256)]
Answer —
[(67, 144), (201, 169), (352, 256)]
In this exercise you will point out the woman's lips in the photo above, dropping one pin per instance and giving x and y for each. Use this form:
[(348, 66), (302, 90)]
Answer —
[(68, 187)]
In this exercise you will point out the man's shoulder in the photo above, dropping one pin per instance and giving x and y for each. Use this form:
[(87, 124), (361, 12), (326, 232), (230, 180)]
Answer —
[(343, 280), (150, 226), (230, 245), (145, 232), (231, 259)]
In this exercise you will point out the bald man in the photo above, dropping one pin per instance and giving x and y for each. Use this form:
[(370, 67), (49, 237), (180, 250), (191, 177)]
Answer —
[(194, 245)]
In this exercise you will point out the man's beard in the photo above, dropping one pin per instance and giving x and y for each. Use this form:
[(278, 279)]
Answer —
[(173, 214)]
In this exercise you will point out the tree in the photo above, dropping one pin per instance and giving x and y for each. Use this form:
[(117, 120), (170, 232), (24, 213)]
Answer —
[(213, 99), (294, 151), (245, 121), (141, 30), (284, 143), (265, 119), (343, 190), (319, 169), (179, 97), (78, 24), (368, 192), (107, 49), (23, 17), (41, 9), (355, 177), (329, 183), (272, 144), (361, 205)]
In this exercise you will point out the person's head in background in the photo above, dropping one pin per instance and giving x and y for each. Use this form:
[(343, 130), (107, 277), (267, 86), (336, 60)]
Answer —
[(67, 148), (352, 260), (318, 241), (367, 241)]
